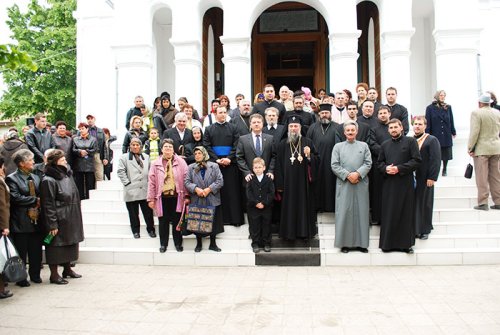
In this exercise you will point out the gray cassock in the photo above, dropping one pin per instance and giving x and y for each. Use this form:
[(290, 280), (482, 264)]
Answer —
[(352, 205)]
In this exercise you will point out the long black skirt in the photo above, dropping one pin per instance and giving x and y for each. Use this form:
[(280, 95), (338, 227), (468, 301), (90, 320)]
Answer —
[(446, 153), (61, 254)]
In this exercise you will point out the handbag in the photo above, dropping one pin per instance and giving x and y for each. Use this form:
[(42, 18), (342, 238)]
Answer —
[(468, 171), (14, 269), (200, 218)]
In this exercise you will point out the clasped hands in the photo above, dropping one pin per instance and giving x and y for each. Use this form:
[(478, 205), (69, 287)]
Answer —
[(223, 161), (391, 169), (353, 177), (202, 193)]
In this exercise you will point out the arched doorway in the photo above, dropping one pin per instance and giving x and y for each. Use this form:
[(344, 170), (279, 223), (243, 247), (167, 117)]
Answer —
[(290, 47), (369, 44), (213, 76)]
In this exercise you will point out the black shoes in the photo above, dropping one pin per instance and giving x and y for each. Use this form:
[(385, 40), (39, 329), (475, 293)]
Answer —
[(58, 281), (255, 249), (71, 274), (5, 294), (495, 207), (152, 234), (423, 236), (137, 235), (444, 173), (483, 207), (163, 248), (267, 248), (363, 250), (37, 280), (345, 250), (408, 251), (214, 247), (179, 248), (23, 283), (197, 248)]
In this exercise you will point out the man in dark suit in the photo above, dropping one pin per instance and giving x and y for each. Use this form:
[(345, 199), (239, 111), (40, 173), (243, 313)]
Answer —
[(255, 144), (179, 134), (272, 127)]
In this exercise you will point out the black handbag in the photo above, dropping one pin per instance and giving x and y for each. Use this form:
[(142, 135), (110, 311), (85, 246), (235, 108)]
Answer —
[(14, 269), (468, 171)]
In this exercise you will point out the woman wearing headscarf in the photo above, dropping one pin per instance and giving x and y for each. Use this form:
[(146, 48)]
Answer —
[(197, 142), (167, 194), (62, 215), (167, 111), (440, 124), (204, 181)]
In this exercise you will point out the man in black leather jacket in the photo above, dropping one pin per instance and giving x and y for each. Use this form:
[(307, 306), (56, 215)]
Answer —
[(38, 138)]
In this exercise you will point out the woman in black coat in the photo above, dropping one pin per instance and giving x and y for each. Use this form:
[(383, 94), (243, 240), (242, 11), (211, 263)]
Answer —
[(62, 217), (25, 229), (84, 149), (440, 124)]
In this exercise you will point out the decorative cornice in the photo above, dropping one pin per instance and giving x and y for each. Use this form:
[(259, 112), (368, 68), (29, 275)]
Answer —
[(235, 59), (234, 40), (188, 61), (457, 41)]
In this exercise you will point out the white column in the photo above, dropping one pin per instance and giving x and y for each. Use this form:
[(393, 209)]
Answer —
[(344, 60), (188, 70), (133, 77), (343, 44), (396, 64), (396, 32), (237, 66)]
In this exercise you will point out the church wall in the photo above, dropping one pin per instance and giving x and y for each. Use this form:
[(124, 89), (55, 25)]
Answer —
[(164, 60)]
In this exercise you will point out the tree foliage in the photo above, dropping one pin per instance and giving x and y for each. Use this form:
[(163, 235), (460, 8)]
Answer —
[(12, 58), (48, 35)]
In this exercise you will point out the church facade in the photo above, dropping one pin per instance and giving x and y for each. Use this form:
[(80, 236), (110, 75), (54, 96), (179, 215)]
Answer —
[(202, 48)]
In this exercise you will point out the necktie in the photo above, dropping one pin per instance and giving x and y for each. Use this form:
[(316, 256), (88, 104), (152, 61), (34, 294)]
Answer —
[(258, 149)]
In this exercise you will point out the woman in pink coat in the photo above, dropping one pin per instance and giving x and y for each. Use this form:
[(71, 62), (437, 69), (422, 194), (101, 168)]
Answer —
[(167, 194)]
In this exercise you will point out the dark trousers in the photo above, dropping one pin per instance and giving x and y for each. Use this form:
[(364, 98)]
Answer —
[(107, 171), (30, 244), (170, 217), (85, 181), (260, 225), (133, 215)]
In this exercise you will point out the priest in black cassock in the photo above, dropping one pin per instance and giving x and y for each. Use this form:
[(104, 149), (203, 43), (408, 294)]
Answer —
[(306, 119), (220, 140), (296, 168), (427, 174), (380, 135), (399, 158), (324, 137)]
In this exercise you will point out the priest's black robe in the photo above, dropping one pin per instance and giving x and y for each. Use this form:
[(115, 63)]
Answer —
[(220, 140), (324, 138), (372, 122), (298, 217), (242, 124), (397, 229), (380, 135), (430, 151)]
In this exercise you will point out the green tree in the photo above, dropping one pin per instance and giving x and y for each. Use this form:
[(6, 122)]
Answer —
[(12, 58), (48, 35)]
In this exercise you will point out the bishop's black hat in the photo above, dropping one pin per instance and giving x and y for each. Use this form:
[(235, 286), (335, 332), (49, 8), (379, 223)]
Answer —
[(325, 107), (294, 119)]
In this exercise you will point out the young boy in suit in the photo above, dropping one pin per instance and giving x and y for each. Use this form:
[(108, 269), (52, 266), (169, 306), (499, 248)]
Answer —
[(260, 196)]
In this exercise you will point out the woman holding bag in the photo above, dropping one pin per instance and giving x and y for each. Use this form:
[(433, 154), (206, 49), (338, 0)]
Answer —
[(62, 217), (167, 195), (204, 181), (4, 221)]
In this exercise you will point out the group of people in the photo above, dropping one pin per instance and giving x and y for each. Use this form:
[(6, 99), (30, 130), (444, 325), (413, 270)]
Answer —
[(325, 154)]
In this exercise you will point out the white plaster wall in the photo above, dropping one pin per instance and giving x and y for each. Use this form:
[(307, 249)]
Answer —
[(422, 65), (490, 47), (163, 59)]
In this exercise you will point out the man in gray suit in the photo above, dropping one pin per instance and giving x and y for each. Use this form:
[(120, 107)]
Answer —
[(255, 144), (484, 147)]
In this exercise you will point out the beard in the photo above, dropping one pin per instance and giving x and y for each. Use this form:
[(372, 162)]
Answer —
[(325, 121), (293, 137)]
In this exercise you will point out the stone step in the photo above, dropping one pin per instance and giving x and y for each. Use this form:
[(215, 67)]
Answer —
[(452, 201), (151, 256), (434, 242), (289, 257), (375, 257), (453, 256), (123, 228), (442, 214), (440, 228)]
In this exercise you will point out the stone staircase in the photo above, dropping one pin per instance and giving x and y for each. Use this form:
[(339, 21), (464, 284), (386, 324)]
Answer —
[(461, 235)]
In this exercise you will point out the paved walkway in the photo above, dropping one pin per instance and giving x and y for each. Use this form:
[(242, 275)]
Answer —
[(264, 300)]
